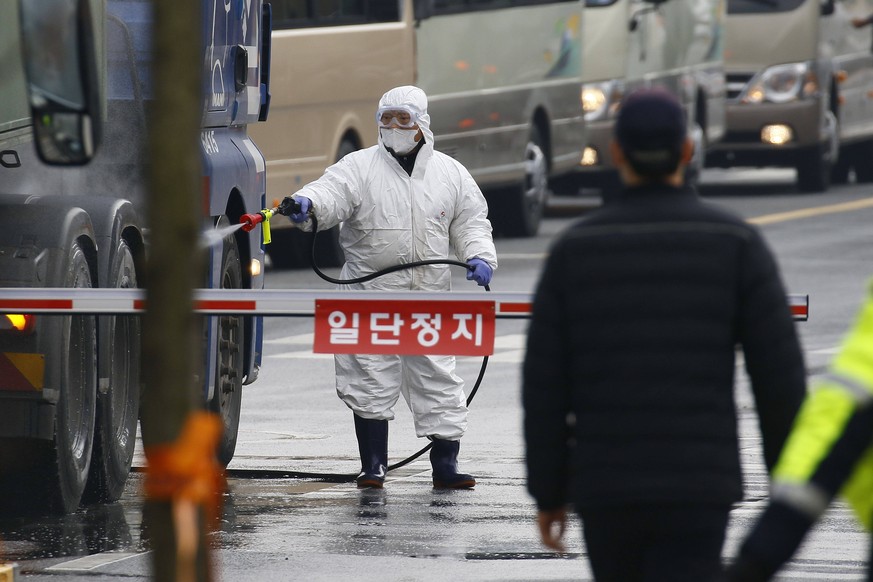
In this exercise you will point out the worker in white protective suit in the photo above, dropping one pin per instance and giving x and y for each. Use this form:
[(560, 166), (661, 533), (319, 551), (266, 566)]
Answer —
[(401, 201)]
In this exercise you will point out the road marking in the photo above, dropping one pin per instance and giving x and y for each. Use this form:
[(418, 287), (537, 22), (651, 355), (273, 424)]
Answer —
[(511, 341), (510, 357), (390, 477), (808, 212), (93, 561)]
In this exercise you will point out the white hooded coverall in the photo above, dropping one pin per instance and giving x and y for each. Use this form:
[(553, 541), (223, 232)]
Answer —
[(389, 217)]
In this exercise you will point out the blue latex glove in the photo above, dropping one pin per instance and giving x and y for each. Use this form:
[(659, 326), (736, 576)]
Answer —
[(286, 208), (481, 271)]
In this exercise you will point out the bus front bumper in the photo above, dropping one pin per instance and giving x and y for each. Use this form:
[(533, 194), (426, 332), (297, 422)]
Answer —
[(767, 134)]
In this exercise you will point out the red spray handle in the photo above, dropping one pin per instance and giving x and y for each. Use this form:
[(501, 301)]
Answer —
[(249, 221)]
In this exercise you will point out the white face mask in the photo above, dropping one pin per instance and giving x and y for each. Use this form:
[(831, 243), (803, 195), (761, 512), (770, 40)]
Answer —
[(401, 141)]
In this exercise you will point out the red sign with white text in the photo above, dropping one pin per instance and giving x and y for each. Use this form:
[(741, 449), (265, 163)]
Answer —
[(408, 327)]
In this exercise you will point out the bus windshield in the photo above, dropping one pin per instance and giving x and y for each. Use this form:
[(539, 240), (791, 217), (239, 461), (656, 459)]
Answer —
[(762, 6)]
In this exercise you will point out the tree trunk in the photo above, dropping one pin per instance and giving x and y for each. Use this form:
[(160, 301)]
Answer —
[(171, 331)]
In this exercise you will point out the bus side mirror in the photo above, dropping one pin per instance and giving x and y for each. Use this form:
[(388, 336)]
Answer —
[(423, 9), (60, 64)]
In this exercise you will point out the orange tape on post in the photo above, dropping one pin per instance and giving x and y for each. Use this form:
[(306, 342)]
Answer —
[(188, 469)]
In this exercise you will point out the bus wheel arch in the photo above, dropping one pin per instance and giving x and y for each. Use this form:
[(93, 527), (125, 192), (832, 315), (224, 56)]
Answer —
[(517, 210), (235, 209), (348, 143), (541, 123), (815, 163)]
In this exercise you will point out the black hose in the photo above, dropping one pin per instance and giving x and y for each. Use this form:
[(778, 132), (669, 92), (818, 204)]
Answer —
[(340, 478), (385, 271)]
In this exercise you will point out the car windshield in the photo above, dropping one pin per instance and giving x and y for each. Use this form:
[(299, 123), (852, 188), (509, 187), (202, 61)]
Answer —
[(759, 6)]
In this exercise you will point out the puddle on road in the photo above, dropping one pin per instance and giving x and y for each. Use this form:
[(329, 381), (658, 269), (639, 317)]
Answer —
[(304, 514), (105, 528)]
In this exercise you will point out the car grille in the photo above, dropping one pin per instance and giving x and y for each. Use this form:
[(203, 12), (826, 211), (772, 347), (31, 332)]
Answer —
[(736, 83)]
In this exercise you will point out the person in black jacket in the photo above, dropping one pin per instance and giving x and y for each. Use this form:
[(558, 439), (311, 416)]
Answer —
[(629, 411)]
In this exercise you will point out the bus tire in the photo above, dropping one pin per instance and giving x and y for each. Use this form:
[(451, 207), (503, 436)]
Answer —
[(118, 400), (518, 211), (75, 414), (862, 161), (226, 400), (813, 170), (611, 188), (840, 170), (50, 475), (694, 169)]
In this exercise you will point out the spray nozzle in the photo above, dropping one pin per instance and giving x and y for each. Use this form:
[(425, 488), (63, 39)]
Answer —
[(249, 221)]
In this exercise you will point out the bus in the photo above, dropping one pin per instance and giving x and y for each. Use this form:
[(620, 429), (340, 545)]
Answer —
[(800, 99), (76, 75), (676, 44), (508, 109)]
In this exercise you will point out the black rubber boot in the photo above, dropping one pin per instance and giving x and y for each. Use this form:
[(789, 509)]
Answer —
[(444, 460), (373, 446)]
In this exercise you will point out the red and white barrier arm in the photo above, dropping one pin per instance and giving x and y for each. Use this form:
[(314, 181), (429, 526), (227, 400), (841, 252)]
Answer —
[(266, 302)]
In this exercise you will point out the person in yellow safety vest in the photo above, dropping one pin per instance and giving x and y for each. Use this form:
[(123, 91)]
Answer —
[(829, 452)]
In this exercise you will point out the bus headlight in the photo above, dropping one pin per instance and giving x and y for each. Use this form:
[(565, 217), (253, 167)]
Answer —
[(777, 134), (600, 100), (782, 84), (589, 157), (593, 101)]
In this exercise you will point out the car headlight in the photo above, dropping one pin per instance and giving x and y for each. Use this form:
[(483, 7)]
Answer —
[(782, 84), (601, 100)]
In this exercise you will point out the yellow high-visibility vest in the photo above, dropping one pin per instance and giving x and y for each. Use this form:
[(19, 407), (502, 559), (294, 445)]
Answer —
[(821, 420)]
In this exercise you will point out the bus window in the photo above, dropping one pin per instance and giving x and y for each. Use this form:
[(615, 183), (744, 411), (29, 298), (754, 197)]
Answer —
[(313, 13)]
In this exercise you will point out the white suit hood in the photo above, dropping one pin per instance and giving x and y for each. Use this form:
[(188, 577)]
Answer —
[(411, 98)]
